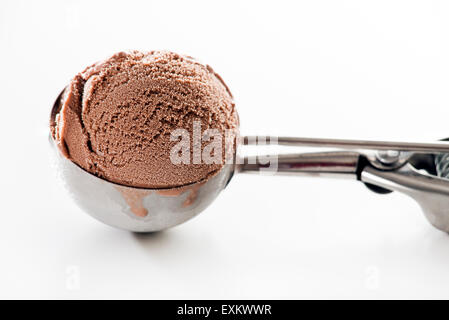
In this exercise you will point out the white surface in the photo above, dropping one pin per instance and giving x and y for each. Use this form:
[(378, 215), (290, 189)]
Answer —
[(351, 69)]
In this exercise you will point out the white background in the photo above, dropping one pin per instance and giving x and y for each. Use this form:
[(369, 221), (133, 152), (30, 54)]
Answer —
[(346, 69)]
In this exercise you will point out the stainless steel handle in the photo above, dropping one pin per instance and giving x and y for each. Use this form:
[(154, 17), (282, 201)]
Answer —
[(340, 164), (417, 147), (431, 192)]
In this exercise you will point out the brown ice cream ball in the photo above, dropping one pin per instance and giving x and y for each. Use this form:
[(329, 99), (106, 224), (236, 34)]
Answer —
[(117, 116)]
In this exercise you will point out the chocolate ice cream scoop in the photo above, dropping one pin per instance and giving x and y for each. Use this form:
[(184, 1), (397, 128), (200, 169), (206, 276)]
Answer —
[(117, 116), (114, 124)]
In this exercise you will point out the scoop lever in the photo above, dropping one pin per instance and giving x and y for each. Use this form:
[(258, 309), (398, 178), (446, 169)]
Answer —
[(411, 170)]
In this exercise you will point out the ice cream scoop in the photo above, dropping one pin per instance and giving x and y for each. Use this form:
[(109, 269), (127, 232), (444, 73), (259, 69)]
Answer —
[(116, 121), (106, 169)]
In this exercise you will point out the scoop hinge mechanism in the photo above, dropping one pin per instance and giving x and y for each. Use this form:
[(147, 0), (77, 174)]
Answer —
[(383, 166)]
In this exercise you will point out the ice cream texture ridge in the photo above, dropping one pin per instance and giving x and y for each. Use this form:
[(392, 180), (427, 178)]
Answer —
[(115, 118)]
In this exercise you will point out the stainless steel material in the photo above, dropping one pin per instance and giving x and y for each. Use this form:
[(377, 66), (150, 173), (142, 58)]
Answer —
[(104, 201), (395, 166), (388, 159), (342, 164), (416, 147), (431, 193)]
